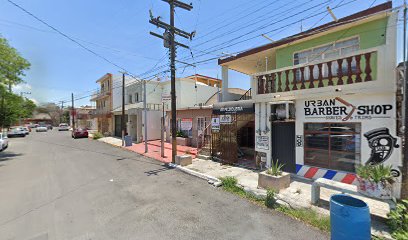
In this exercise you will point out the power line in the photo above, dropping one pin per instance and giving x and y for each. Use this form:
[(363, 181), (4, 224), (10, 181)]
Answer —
[(67, 37)]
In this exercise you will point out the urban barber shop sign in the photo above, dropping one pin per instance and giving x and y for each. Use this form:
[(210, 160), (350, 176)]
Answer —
[(340, 109)]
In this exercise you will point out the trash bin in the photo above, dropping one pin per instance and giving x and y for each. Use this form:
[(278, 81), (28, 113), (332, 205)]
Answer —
[(349, 218), (128, 141)]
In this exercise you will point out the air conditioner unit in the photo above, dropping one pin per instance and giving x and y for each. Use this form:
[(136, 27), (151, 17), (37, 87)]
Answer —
[(282, 110)]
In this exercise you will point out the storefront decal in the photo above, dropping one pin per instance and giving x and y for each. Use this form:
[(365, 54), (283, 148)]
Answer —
[(262, 142), (225, 119), (339, 109), (186, 124), (382, 145), (299, 140)]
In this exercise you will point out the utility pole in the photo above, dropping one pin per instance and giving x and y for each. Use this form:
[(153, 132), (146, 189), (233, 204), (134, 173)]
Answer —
[(169, 42), (123, 110), (404, 170), (145, 114), (62, 111), (73, 111)]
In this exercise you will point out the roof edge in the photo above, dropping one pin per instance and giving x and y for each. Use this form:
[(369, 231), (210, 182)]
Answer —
[(310, 32)]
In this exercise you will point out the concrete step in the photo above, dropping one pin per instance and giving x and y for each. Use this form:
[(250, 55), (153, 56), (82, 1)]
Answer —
[(204, 157)]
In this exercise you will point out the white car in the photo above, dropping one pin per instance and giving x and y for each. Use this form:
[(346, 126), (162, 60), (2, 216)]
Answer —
[(16, 132), (63, 127), (41, 129), (3, 142), (26, 130)]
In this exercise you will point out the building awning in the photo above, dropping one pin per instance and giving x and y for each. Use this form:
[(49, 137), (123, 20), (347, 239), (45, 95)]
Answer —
[(243, 106)]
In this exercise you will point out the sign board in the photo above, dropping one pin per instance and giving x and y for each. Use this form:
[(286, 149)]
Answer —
[(186, 124), (299, 141), (225, 119), (166, 97), (215, 123), (262, 142), (344, 110)]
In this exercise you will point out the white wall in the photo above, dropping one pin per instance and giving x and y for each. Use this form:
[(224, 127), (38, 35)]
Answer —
[(117, 89)]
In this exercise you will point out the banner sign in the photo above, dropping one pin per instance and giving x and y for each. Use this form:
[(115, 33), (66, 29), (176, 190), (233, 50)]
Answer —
[(225, 119), (262, 142), (186, 124), (340, 109), (234, 107)]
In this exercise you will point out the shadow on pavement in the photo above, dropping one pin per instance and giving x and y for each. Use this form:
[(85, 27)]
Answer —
[(6, 156), (156, 171)]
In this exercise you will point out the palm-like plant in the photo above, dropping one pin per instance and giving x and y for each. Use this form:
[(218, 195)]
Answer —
[(275, 169)]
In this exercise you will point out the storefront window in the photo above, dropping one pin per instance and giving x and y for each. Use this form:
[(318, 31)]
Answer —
[(332, 145)]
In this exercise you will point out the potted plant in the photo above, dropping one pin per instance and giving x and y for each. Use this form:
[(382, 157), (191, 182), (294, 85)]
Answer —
[(375, 181), (274, 178), (182, 139)]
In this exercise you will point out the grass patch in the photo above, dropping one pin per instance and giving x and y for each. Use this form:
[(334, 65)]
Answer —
[(229, 184), (306, 215), (97, 135)]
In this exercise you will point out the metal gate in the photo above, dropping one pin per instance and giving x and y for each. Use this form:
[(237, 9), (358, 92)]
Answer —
[(283, 145), (118, 125)]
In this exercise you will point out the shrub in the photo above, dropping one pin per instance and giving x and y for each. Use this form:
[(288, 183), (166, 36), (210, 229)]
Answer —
[(97, 135), (275, 169), (180, 134), (377, 174), (398, 220), (229, 182), (270, 200)]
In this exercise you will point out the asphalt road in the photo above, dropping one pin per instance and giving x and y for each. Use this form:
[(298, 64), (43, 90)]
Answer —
[(55, 187)]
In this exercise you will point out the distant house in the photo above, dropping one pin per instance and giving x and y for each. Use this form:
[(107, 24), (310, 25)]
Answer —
[(39, 118)]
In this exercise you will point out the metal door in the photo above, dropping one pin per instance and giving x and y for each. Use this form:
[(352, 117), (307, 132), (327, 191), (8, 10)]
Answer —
[(283, 145)]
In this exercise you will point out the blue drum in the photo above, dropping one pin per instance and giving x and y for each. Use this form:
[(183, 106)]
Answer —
[(349, 218)]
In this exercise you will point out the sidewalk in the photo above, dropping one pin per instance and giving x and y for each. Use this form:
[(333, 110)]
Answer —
[(298, 195), (154, 149)]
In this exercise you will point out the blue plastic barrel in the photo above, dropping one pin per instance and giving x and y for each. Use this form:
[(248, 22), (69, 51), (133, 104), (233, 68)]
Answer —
[(349, 218), (128, 140)]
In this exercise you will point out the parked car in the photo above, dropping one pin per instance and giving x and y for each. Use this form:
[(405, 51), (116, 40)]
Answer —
[(41, 129), (3, 142), (49, 126), (26, 130), (80, 133), (16, 132), (63, 127)]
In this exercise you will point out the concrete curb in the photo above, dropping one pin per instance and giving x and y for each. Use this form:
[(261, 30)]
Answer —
[(195, 173)]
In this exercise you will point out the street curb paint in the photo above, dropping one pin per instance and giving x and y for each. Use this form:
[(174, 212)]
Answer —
[(315, 173)]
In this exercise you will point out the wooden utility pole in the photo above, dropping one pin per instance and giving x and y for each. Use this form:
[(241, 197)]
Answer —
[(73, 111), (169, 42)]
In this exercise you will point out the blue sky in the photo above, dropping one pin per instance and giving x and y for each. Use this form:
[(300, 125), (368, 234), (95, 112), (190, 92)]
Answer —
[(119, 31)]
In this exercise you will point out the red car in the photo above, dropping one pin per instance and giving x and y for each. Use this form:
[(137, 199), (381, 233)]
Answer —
[(80, 133)]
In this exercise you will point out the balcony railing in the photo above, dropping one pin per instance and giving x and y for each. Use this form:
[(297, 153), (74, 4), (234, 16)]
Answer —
[(100, 94), (346, 70)]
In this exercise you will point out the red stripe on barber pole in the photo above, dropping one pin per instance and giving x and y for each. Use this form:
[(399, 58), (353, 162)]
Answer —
[(349, 178), (311, 172)]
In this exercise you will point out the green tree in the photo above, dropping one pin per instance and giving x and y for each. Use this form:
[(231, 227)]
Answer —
[(12, 65)]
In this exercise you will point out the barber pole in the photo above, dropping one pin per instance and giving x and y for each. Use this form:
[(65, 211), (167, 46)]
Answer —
[(315, 173)]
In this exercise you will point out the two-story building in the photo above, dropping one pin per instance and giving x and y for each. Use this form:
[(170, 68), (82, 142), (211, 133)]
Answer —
[(327, 102)]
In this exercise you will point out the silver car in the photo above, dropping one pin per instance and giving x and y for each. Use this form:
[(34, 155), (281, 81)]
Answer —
[(41, 129), (3, 142), (16, 132)]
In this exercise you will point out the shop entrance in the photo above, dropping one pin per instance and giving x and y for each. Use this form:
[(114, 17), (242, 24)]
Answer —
[(234, 142), (118, 125), (283, 144)]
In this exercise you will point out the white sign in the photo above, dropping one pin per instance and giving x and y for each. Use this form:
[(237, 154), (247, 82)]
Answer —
[(166, 97), (186, 124), (215, 124), (225, 119), (262, 142)]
